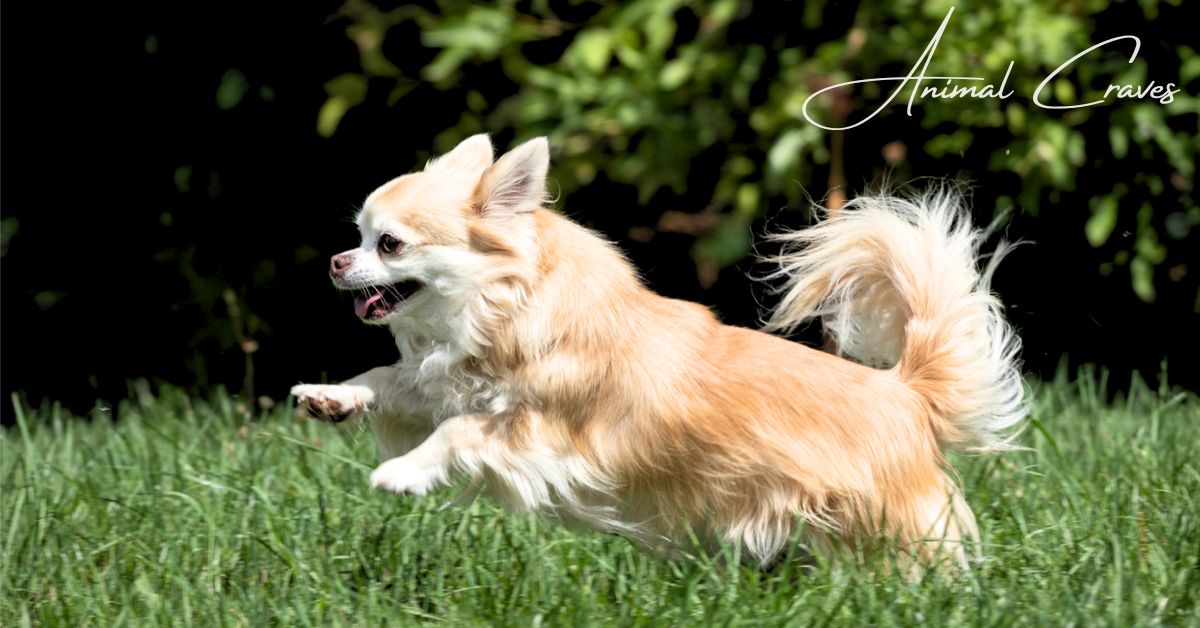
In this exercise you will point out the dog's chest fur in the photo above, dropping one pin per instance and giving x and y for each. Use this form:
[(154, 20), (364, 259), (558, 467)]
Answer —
[(443, 385)]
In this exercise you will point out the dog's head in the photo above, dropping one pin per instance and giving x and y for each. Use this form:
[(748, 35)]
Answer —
[(433, 239)]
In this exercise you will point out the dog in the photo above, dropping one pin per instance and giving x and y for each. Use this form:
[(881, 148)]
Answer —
[(536, 365)]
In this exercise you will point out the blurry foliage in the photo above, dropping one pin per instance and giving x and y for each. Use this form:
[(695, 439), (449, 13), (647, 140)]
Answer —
[(8, 228), (638, 91), (676, 124)]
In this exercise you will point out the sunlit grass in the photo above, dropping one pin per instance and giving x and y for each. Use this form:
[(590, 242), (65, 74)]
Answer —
[(182, 512)]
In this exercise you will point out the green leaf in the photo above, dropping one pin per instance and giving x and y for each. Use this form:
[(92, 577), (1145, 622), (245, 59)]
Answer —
[(660, 29), (482, 29), (674, 73), (723, 11), (345, 91), (1190, 66), (749, 201), (8, 228), (1103, 220), (1143, 278), (627, 47), (232, 88), (352, 87), (1147, 245), (445, 64), (1016, 117), (1064, 92), (784, 157), (592, 49), (955, 142), (1118, 137), (330, 115)]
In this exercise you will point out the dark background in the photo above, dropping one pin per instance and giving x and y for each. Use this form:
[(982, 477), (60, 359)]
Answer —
[(152, 233)]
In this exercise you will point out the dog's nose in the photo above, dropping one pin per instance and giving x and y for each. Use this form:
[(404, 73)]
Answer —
[(338, 264)]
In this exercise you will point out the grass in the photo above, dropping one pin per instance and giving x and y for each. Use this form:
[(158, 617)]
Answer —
[(183, 512)]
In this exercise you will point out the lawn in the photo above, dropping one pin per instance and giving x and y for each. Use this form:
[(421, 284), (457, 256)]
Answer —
[(182, 511)]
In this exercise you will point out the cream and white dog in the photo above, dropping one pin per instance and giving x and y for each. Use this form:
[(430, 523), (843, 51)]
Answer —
[(535, 364)]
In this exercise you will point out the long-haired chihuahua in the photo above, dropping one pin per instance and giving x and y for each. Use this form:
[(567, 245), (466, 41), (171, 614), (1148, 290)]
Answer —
[(536, 365)]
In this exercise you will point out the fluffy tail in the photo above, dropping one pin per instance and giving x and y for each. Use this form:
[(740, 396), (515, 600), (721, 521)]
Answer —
[(897, 284)]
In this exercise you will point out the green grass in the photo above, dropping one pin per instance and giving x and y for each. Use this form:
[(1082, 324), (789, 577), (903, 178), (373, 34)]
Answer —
[(182, 512)]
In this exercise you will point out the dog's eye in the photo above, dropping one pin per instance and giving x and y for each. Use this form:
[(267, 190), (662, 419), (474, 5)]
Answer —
[(389, 244)]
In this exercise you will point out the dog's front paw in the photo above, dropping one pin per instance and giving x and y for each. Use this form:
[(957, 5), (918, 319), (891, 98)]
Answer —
[(333, 402), (404, 477)]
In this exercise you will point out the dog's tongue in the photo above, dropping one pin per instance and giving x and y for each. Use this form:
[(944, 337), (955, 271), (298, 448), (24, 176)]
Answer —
[(363, 304)]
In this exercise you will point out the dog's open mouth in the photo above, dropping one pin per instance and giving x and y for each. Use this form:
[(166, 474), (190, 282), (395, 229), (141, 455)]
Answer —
[(379, 301)]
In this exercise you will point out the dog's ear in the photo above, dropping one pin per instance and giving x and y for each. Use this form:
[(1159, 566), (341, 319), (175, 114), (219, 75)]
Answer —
[(516, 182), (470, 158)]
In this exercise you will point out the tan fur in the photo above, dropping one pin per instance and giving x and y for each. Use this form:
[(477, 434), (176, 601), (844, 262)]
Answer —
[(709, 425), (593, 400)]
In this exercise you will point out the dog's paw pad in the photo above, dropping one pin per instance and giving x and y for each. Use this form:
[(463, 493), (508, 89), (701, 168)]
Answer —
[(334, 403)]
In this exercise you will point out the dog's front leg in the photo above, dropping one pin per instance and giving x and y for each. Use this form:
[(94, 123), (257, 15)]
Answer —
[(379, 390), (454, 445)]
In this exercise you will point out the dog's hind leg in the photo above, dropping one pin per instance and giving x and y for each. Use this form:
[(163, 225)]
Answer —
[(942, 530)]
